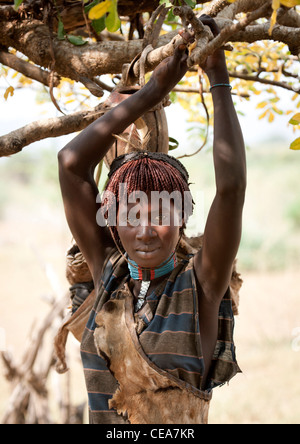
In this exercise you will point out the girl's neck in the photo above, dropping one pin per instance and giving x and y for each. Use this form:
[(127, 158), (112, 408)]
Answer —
[(149, 274)]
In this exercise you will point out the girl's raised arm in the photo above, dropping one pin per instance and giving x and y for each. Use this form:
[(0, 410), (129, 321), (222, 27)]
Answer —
[(79, 158)]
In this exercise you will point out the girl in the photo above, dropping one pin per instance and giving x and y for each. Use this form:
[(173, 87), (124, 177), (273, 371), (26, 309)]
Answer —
[(183, 307)]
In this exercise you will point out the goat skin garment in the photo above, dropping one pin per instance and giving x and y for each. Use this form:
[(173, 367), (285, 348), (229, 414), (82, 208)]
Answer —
[(169, 334)]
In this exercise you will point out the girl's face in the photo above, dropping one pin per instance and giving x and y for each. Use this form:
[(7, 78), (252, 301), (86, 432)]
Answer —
[(149, 231)]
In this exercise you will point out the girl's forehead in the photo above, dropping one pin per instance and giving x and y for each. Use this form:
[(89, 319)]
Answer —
[(146, 205)]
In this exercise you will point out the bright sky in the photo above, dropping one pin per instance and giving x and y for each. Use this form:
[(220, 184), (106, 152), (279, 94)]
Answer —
[(21, 109)]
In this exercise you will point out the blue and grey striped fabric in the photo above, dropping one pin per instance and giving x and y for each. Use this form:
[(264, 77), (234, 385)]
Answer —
[(168, 332)]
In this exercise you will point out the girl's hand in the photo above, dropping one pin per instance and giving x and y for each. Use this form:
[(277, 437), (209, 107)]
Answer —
[(215, 65), (171, 70)]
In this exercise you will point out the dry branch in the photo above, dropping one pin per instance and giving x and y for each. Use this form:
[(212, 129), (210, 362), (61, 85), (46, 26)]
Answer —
[(265, 81), (15, 141), (215, 7), (28, 69), (204, 49), (245, 6), (29, 401)]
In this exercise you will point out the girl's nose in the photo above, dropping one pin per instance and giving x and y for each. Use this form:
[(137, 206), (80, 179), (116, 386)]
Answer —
[(146, 233)]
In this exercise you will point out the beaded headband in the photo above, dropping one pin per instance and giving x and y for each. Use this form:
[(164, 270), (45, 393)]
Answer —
[(136, 155)]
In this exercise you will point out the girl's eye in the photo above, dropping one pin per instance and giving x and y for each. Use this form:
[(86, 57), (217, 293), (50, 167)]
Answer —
[(133, 220), (124, 220), (160, 219)]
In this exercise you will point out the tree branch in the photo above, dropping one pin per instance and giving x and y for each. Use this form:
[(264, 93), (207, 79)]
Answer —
[(28, 69), (203, 49), (16, 140), (242, 6), (191, 90), (284, 34), (31, 38), (262, 80), (288, 17), (215, 7)]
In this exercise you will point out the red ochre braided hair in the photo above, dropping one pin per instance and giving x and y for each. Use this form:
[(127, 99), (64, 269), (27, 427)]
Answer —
[(147, 171)]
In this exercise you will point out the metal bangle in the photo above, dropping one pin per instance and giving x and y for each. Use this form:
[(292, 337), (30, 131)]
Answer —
[(221, 85)]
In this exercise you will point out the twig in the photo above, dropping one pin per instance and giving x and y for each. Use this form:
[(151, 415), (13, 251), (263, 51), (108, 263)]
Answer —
[(190, 90), (102, 84), (92, 86), (49, 20), (207, 119), (189, 18), (150, 27), (258, 79)]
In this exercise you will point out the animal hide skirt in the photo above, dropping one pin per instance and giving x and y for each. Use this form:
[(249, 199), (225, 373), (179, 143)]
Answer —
[(148, 367), (146, 394)]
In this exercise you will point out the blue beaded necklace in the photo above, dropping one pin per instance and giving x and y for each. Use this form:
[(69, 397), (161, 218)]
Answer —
[(148, 274)]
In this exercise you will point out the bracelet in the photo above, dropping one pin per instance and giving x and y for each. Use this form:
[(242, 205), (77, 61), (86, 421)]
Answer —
[(221, 84)]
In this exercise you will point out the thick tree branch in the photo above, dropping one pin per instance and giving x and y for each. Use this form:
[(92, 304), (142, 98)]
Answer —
[(239, 6), (15, 141), (27, 69), (215, 7), (31, 38), (288, 17), (288, 35)]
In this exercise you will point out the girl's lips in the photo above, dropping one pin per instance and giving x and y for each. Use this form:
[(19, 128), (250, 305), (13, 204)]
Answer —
[(146, 250), (147, 254)]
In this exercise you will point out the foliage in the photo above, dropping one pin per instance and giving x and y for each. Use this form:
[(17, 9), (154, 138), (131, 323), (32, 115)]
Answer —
[(106, 13), (261, 68)]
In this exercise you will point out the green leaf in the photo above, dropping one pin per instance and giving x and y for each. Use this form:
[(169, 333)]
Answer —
[(171, 17), (173, 143), (99, 24), (295, 120), (295, 145), (190, 3), (61, 30), (17, 3), (76, 40), (112, 21)]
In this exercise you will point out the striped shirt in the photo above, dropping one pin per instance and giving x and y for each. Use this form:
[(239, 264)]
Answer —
[(169, 334)]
